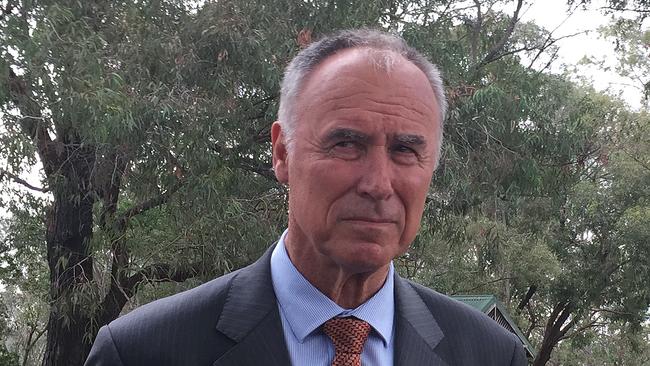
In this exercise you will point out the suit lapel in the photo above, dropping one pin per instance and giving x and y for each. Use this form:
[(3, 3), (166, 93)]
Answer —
[(417, 332), (263, 346), (250, 317)]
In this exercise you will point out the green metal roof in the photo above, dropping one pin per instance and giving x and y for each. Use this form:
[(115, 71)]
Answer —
[(481, 302), (487, 303)]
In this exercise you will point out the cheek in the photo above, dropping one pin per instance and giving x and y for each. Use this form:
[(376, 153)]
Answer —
[(414, 197), (316, 186)]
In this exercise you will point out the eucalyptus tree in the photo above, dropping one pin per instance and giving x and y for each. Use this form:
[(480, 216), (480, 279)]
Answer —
[(142, 117), (150, 121), (534, 195)]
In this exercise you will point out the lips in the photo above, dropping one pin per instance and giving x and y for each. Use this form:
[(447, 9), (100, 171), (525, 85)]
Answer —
[(373, 220)]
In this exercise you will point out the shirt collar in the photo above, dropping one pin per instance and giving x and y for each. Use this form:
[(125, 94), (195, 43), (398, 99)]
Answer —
[(306, 308)]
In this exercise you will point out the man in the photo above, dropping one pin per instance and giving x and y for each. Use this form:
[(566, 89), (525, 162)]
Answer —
[(357, 141)]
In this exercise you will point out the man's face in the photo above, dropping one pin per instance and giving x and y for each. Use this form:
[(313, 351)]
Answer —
[(364, 151)]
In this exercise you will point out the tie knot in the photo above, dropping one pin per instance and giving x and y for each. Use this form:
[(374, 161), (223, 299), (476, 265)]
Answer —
[(348, 334)]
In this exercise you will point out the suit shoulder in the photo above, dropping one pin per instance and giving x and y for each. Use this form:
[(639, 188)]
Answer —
[(153, 333), (462, 318), (202, 297)]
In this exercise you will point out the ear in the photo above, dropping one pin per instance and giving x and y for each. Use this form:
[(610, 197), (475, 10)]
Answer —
[(280, 153)]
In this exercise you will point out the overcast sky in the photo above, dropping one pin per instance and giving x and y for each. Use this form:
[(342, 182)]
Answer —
[(552, 14)]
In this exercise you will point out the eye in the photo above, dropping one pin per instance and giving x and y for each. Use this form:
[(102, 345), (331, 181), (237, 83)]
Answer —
[(346, 149), (345, 144), (404, 154), (404, 149)]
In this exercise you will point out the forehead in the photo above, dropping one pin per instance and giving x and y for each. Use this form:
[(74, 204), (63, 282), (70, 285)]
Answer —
[(364, 85), (367, 64)]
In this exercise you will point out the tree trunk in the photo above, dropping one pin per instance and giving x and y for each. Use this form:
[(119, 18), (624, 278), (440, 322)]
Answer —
[(544, 352), (69, 231), (554, 331), (66, 341)]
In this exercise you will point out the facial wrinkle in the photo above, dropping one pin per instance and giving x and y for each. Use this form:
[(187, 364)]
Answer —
[(416, 109), (365, 115)]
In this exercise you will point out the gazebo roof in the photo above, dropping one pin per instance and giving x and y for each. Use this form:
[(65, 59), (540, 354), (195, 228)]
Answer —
[(490, 305)]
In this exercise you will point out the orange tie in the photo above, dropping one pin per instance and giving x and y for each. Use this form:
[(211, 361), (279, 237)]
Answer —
[(348, 335)]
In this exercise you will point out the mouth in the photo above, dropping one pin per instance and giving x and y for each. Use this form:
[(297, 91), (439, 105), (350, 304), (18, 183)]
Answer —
[(369, 220)]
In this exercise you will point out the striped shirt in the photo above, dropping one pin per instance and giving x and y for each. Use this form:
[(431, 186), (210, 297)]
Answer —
[(303, 309)]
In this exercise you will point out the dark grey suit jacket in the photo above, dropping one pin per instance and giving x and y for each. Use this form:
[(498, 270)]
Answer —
[(234, 320)]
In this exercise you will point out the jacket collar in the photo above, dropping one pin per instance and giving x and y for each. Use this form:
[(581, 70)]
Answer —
[(250, 317), (417, 332)]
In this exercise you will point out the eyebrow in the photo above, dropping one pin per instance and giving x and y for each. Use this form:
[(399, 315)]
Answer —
[(411, 140), (346, 134), (354, 135)]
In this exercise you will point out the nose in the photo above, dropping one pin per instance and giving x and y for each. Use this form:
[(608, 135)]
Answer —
[(376, 180)]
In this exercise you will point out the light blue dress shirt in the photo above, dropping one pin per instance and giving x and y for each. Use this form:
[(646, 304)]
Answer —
[(303, 309)]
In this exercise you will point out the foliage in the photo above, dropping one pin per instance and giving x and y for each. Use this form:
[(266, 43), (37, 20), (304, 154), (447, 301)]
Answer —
[(536, 201), (7, 357), (641, 8), (632, 45), (616, 346), (151, 124)]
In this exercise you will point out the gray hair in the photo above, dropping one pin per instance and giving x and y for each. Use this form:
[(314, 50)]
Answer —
[(306, 61)]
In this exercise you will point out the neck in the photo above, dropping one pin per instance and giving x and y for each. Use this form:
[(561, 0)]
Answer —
[(347, 287)]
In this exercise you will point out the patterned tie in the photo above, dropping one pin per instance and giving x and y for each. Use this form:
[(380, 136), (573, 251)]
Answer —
[(348, 335)]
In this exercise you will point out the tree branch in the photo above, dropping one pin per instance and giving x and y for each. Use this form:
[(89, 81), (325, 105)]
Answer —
[(120, 259), (109, 186), (551, 41), (265, 100), (489, 282), (22, 182), (563, 318), (163, 272), (548, 64), (443, 13), (31, 342), (637, 160), (476, 32), (260, 169), (497, 47), (531, 291), (7, 10), (107, 180), (592, 324), (32, 123), (642, 11), (159, 200), (120, 293), (512, 52), (533, 320), (611, 311), (556, 320)]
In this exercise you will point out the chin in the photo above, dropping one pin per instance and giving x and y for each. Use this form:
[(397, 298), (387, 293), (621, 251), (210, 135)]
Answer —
[(366, 257)]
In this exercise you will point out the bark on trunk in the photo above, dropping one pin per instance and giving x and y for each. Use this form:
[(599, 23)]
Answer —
[(544, 353), (69, 231), (554, 331), (65, 341)]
